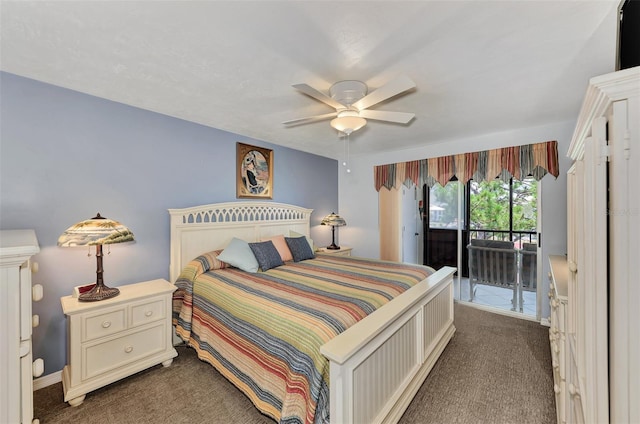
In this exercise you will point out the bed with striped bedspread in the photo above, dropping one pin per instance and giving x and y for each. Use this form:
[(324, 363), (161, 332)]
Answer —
[(263, 331)]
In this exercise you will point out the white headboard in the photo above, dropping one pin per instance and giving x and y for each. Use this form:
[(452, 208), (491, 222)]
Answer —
[(201, 229)]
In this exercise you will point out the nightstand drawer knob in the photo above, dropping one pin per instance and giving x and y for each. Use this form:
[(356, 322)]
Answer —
[(128, 349), (106, 324), (148, 313)]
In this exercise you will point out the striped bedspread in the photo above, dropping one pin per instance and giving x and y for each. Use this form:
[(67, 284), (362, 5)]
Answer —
[(263, 331)]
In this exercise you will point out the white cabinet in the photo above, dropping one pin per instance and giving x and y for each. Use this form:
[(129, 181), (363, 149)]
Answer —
[(17, 369), (114, 338), (603, 335)]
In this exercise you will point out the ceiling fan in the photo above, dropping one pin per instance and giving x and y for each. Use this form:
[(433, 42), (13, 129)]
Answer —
[(351, 101)]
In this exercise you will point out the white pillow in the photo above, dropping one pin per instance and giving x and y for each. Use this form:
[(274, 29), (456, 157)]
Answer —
[(239, 254), (309, 239)]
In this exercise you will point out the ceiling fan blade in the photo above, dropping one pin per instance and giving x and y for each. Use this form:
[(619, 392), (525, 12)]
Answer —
[(310, 91), (392, 88), (310, 119), (382, 115)]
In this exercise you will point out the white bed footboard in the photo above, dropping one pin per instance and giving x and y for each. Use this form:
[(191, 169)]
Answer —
[(378, 365)]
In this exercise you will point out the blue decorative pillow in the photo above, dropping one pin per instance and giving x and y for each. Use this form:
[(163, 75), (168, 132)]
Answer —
[(296, 234), (239, 254), (300, 248), (266, 254)]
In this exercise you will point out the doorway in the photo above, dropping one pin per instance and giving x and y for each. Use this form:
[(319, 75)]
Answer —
[(495, 215)]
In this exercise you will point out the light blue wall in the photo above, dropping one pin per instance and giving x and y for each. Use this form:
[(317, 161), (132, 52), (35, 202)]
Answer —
[(64, 156)]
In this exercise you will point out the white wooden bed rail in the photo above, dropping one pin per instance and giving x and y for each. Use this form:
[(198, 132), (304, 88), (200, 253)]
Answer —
[(378, 365)]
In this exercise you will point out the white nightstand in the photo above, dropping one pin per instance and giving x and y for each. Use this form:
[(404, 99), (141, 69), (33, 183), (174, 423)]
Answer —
[(343, 251), (115, 338)]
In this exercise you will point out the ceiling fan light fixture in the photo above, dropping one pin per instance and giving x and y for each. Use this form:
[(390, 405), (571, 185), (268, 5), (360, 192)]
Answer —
[(348, 121)]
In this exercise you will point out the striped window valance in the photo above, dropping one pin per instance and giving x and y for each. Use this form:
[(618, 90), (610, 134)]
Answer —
[(519, 162)]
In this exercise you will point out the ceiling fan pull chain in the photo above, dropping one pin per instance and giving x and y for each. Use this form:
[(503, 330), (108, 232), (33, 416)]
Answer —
[(346, 153), (348, 147)]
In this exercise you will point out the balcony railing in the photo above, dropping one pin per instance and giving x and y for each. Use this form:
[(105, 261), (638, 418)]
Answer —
[(517, 237)]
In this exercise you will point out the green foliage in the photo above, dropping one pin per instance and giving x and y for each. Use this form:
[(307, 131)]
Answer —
[(489, 205), (446, 198)]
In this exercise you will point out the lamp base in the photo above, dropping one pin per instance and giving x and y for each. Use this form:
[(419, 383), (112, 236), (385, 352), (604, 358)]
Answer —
[(333, 246), (99, 292)]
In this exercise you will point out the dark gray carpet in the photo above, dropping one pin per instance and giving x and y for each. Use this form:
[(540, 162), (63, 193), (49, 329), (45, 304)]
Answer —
[(496, 369)]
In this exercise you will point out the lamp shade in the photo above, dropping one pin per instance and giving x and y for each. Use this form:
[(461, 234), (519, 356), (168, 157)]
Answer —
[(95, 231), (334, 220), (348, 121)]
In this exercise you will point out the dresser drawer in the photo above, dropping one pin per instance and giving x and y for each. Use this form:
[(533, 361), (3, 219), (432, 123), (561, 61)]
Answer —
[(559, 391), (146, 312), (104, 324), (578, 414), (103, 357), (26, 387)]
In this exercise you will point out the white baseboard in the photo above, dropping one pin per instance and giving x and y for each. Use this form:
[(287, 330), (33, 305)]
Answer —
[(47, 380)]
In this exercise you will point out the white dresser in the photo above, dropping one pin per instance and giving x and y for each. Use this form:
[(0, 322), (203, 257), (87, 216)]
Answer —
[(117, 337), (16, 293), (603, 223), (558, 332)]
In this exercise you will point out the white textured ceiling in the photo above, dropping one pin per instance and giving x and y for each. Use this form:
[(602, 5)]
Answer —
[(480, 66)]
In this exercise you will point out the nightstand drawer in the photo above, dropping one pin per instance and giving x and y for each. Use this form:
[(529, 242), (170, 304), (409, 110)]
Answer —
[(96, 326), (103, 357), (146, 312)]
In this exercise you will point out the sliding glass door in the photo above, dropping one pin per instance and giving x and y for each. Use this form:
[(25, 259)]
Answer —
[(493, 214)]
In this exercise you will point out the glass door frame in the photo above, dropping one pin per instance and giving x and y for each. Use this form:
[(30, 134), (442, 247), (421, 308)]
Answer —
[(463, 233)]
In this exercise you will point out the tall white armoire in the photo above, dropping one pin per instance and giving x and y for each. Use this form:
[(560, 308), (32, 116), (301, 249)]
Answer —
[(603, 254)]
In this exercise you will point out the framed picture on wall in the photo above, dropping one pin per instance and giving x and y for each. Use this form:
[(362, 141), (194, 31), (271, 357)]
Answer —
[(254, 172)]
